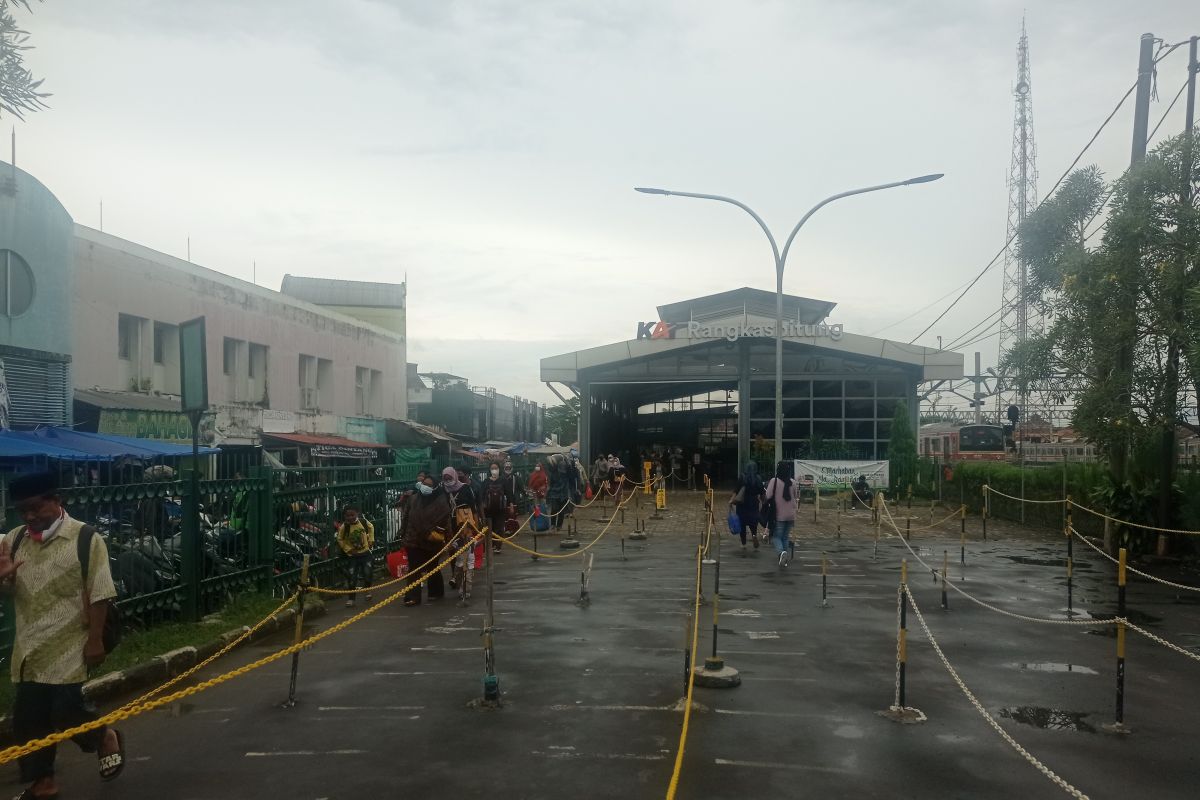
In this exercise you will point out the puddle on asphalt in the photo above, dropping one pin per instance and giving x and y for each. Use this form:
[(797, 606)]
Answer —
[(1048, 719), (1038, 562), (1050, 666)]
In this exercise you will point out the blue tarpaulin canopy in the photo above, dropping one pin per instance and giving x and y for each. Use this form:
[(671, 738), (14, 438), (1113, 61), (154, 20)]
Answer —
[(67, 444)]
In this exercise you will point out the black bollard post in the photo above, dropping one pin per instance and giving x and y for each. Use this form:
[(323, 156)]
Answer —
[(1119, 726), (945, 574), (1070, 560), (902, 650), (908, 529), (291, 701), (824, 584)]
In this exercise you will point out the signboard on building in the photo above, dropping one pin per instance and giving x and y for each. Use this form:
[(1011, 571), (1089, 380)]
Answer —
[(193, 366), (274, 421), (841, 473), (343, 451), (739, 329), (161, 426)]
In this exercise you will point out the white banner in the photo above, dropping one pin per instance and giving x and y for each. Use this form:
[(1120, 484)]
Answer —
[(4, 412), (841, 473)]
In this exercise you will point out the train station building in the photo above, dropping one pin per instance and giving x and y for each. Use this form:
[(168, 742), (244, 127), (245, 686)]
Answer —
[(701, 377)]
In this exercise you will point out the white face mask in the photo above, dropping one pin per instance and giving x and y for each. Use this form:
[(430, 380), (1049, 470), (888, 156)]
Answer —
[(495, 473), (425, 490)]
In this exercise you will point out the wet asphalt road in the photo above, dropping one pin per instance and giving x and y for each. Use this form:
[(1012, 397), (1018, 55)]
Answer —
[(590, 692)]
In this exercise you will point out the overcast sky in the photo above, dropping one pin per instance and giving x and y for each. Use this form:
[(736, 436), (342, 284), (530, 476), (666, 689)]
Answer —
[(488, 150)]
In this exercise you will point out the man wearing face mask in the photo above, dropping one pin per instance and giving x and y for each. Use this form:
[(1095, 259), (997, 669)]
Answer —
[(427, 526), (494, 503)]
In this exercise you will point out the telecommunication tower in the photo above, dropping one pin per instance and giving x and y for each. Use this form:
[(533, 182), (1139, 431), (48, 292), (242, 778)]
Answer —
[(1018, 319)]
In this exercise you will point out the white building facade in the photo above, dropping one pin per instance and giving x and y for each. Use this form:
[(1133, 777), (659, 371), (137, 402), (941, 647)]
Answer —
[(275, 363)]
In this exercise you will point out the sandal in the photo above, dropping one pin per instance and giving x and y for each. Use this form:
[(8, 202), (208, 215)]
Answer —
[(112, 764), (412, 602)]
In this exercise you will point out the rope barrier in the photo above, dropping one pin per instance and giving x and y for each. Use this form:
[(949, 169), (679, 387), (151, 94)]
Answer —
[(1169, 645), (1134, 524), (127, 712), (197, 667), (581, 550), (386, 584), (1049, 773), (987, 488), (1128, 568), (691, 683), (1072, 504), (989, 606)]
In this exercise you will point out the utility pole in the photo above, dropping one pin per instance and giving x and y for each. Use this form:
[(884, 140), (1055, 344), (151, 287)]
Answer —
[(1127, 322), (978, 396), (1168, 455)]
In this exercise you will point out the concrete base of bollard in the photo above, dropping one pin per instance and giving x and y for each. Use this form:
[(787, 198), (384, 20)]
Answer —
[(568, 544), (903, 715), (1117, 728), (717, 675), (681, 704), (637, 537)]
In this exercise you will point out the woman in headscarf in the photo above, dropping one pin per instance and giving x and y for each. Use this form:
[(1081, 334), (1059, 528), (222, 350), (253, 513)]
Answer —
[(746, 500), (538, 483), (428, 524), (559, 493)]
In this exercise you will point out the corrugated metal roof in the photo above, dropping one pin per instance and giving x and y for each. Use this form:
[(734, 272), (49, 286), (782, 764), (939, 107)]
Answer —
[(337, 292), (126, 401), (748, 301), (327, 441)]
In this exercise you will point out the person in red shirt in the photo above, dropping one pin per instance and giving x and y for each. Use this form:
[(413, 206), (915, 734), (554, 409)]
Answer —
[(538, 483)]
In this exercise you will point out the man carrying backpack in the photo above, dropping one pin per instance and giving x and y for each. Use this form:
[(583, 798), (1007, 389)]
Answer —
[(60, 633), (495, 502)]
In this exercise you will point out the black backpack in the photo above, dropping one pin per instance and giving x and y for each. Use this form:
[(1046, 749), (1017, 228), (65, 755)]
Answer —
[(112, 620), (493, 498)]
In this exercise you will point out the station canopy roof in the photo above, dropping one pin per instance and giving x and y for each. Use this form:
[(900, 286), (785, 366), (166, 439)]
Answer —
[(698, 346)]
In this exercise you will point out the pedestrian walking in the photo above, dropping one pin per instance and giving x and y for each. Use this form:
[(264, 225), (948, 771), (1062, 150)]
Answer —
[(495, 502), (782, 498), (746, 501), (356, 537), (429, 522), (600, 471), (564, 485), (56, 569), (464, 504)]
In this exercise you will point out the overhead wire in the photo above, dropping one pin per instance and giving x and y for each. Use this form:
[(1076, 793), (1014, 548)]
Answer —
[(1053, 189)]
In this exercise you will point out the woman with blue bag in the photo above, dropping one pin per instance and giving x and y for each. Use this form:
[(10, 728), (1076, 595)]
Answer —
[(744, 503)]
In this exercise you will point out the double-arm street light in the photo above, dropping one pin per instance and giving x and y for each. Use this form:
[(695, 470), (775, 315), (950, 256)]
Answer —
[(780, 262)]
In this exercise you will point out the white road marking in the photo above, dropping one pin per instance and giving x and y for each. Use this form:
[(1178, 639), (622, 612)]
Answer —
[(763, 634), (564, 707), (727, 762), (606, 756), (408, 674), (370, 708), (763, 653), (435, 648), (741, 713), (306, 753)]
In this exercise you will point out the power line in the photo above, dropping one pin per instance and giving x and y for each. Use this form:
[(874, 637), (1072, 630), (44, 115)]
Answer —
[(918, 311), (1050, 194), (979, 324)]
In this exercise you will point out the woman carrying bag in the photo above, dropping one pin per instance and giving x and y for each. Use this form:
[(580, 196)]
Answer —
[(745, 503), (781, 500)]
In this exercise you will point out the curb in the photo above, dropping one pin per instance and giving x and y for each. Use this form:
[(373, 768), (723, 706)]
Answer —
[(166, 666)]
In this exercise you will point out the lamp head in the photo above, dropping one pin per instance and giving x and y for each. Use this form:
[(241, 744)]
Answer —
[(648, 190), (925, 178)]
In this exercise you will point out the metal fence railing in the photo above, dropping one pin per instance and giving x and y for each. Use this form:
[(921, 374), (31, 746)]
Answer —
[(248, 534)]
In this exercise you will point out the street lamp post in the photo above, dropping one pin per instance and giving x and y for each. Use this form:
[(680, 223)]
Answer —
[(780, 263)]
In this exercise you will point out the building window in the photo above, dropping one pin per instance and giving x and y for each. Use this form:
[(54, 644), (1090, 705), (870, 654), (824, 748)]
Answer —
[(16, 284), (308, 382), (362, 390), (160, 342), (127, 337), (230, 356), (256, 366)]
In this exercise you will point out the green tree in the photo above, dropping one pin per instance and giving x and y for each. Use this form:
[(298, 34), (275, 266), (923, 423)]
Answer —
[(902, 450), (19, 92), (1133, 291), (563, 421)]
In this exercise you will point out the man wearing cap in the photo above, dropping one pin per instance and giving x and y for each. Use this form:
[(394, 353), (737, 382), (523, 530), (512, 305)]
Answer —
[(59, 629)]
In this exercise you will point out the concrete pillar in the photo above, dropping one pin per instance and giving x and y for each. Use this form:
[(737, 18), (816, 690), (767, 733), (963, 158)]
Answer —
[(743, 416), (585, 423)]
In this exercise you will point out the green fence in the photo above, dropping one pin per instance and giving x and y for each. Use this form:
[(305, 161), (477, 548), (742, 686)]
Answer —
[(181, 549)]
